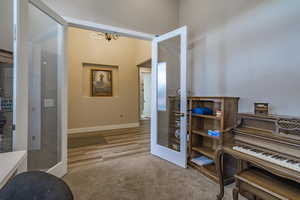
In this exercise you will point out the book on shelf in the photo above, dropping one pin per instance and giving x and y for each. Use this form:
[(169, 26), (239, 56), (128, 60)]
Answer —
[(202, 160), (214, 133)]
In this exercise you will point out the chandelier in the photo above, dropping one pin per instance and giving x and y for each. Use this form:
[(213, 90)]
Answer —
[(108, 36), (111, 36)]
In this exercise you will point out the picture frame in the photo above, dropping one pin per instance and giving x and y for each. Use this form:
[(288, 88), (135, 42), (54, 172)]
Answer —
[(101, 83)]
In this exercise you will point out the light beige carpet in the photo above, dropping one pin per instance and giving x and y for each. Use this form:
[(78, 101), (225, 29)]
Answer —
[(142, 177)]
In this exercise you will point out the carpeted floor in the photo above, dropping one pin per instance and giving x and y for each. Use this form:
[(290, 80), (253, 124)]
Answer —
[(142, 177)]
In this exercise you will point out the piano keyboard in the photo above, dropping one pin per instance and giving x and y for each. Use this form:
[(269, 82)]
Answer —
[(277, 159)]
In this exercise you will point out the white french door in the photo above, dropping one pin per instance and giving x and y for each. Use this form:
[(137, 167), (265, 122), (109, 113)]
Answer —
[(169, 92), (40, 86)]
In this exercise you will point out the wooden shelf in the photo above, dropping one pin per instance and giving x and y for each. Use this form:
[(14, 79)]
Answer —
[(212, 97), (207, 116), (205, 151), (204, 133), (210, 172), (175, 140), (207, 170), (6, 57)]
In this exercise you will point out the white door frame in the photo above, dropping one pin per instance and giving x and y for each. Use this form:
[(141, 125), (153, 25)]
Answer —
[(88, 25), (140, 71), (20, 139), (21, 80), (178, 158)]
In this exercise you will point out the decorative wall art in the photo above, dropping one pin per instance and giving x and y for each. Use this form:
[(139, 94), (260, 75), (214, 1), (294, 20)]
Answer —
[(101, 83)]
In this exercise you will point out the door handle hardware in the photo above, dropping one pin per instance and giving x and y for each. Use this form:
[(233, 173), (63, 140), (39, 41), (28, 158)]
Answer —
[(179, 114)]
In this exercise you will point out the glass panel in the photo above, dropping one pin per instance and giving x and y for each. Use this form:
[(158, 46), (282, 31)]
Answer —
[(6, 101), (162, 86), (168, 82), (44, 130)]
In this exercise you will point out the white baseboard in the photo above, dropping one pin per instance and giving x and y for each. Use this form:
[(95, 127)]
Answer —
[(103, 128)]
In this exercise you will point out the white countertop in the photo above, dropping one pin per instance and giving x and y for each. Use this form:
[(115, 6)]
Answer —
[(9, 163)]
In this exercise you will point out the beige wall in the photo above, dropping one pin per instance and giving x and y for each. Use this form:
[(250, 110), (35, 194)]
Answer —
[(144, 49), (150, 16), (245, 48), (122, 108)]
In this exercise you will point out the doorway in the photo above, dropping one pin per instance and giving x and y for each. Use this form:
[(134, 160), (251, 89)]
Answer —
[(145, 90), (59, 103), (145, 94), (169, 80), (106, 122)]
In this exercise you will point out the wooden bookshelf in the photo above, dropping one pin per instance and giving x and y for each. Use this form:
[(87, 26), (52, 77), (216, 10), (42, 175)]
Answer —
[(204, 133), (208, 170), (207, 116), (203, 144), (174, 107), (6, 57), (200, 143), (206, 151), (174, 119)]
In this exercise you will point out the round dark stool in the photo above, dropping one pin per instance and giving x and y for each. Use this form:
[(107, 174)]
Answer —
[(36, 185)]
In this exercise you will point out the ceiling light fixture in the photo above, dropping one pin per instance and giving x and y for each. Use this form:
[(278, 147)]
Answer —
[(108, 36)]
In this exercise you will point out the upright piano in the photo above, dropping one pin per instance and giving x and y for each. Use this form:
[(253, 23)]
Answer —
[(267, 150)]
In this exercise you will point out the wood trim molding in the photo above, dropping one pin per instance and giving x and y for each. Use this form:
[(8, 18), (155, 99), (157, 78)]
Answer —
[(84, 64), (146, 64), (79, 23), (103, 128)]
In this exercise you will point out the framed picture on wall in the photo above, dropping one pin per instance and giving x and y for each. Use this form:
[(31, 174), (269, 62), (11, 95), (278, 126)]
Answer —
[(101, 83)]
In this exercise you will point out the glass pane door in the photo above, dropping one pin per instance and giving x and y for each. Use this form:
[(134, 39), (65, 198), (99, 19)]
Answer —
[(41, 89), (44, 139), (169, 110), (168, 93)]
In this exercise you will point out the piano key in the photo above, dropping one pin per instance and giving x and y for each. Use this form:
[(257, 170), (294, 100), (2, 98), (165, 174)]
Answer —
[(281, 158), (277, 159)]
